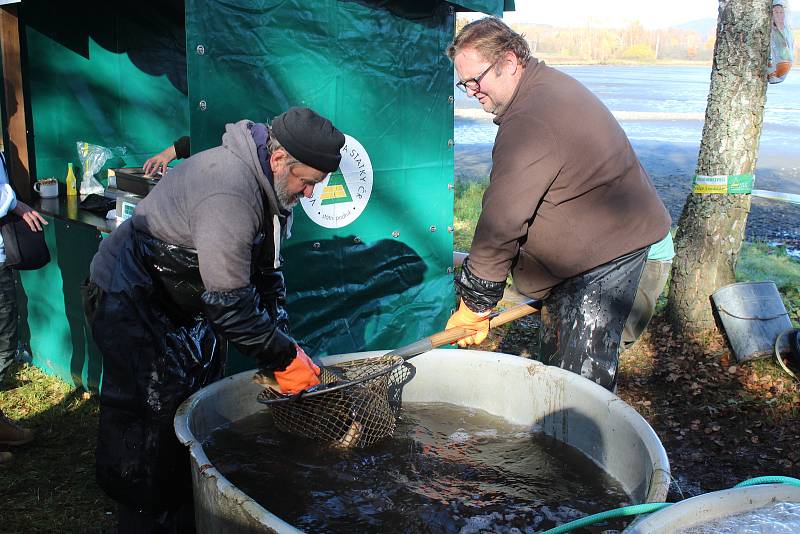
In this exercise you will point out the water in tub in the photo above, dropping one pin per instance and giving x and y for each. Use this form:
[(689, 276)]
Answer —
[(778, 518), (447, 470)]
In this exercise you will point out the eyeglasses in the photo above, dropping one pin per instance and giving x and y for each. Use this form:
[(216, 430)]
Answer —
[(473, 84)]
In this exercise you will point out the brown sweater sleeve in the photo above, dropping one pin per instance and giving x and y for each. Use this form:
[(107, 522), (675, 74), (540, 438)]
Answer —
[(522, 173)]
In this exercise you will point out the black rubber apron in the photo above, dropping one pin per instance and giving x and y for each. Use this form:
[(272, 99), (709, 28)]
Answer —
[(583, 318), (157, 350)]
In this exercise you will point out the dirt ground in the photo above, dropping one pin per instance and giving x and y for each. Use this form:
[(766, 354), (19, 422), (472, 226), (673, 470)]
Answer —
[(720, 423)]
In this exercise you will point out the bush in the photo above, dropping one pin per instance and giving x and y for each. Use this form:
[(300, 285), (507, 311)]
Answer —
[(639, 52)]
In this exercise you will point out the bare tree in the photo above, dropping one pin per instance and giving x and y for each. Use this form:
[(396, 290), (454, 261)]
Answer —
[(711, 227)]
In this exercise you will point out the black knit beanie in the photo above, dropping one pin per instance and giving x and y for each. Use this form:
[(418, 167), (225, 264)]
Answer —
[(310, 138)]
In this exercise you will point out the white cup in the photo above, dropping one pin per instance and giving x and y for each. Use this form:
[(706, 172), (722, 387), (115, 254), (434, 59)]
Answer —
[(46, 188)]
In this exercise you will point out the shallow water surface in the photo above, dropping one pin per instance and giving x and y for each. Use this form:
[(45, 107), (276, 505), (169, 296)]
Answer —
[(447, 469), (779, 518)]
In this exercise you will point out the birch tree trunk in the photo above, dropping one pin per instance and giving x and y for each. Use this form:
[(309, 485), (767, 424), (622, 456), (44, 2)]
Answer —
[(711, 227)]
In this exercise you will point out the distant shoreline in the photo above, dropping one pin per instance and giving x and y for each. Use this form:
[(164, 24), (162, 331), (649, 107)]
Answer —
[(479, 114), (565, 61)]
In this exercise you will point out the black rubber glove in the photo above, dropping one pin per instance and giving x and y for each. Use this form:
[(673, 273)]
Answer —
[(478, 294), (182, 147), (239, 317), (272, 290)]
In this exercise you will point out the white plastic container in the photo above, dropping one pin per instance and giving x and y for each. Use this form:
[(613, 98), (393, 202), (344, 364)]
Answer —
[(709, 507)]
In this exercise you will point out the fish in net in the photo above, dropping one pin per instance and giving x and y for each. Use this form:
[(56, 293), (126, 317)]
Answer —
[(351, 407)]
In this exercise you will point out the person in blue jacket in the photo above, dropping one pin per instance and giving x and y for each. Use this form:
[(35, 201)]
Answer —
[(10, 432)]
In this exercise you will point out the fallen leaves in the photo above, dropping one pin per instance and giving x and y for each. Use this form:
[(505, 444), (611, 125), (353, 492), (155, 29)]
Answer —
[(720, 421)]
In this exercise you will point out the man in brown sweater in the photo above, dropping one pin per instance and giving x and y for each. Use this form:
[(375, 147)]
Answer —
[(569, 210)]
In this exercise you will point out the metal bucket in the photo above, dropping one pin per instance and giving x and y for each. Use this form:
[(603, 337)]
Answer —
[(752, 315), (561, 404), (712, 506)]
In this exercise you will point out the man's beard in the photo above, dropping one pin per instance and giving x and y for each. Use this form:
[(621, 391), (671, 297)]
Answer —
[(286, 200)]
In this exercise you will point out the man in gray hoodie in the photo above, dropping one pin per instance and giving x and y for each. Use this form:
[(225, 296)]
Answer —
[(197, 263)]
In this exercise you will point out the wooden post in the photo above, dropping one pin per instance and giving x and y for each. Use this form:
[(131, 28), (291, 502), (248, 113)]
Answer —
[(17, 153)]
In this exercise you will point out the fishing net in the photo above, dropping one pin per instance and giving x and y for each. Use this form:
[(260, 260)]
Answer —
[(355, 404)]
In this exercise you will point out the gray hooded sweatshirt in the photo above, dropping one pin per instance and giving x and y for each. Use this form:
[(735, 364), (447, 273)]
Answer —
[(212, 202)]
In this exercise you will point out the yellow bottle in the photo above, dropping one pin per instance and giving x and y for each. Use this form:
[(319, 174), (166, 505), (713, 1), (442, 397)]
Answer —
[(72, 187), (72, 207)]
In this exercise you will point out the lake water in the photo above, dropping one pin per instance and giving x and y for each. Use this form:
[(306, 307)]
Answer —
[(661, 104), (662, 110)]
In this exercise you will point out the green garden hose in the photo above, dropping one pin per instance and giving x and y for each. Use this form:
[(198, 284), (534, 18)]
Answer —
[(636, 509), (768, 480), (639, 509), (793, 344)]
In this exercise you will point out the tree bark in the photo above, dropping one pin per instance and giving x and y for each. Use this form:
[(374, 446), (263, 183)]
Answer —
[(711, 227)]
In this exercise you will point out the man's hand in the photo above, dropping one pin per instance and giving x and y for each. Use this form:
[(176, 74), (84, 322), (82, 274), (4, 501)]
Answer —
[(32, 218), (466, 318), (159, 162), (300, 374)]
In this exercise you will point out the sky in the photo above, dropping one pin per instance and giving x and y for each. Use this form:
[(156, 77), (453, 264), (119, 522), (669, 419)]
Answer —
[(612, 13)]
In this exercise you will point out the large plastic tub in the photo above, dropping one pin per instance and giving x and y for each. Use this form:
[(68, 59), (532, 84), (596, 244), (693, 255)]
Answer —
[(712, 506), (561, 404)]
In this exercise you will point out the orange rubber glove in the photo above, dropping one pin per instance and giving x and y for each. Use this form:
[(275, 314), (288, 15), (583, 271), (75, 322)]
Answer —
[(301, 374), (466, 318)]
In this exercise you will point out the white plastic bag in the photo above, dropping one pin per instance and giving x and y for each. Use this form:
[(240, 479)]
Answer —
[(781, 49), (93, 157)]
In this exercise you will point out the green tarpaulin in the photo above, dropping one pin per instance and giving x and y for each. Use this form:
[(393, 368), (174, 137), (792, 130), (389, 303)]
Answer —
[(490, 7), (111, 74), (108, 73), (367, 266)]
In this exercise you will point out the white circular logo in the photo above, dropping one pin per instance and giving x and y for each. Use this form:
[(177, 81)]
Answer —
[(341, 197)]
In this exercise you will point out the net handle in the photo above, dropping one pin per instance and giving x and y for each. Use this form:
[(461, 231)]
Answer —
[(418, 347), (454, 334)]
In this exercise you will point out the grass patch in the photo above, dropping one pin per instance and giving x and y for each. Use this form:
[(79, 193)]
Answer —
[(468, 198), (760, 261), (49, 485)]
